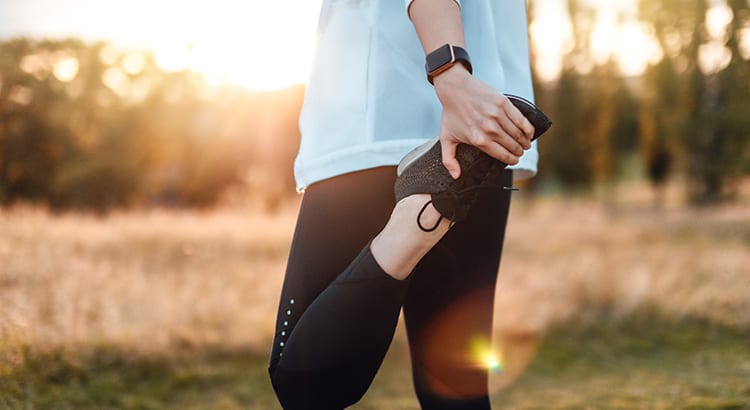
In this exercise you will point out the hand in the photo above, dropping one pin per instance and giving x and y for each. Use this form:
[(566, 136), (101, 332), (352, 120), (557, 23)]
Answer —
[(475, 113)]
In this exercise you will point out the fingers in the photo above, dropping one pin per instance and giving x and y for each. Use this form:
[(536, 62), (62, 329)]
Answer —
[(510, 136), (448, 150), (500, 152), (515, 123), (477, 114), (493, 132), (490, 136)]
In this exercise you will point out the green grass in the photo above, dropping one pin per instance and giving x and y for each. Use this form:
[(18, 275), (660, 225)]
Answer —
[(105, 378), (637, 363), (609, 364)]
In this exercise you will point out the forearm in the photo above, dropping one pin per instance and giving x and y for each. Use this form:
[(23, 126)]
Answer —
[(437, 22), (474, 112)]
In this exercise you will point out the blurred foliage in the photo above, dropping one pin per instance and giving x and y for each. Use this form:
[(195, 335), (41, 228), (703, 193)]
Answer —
[(701, 112), (677, 117), (87, 126)]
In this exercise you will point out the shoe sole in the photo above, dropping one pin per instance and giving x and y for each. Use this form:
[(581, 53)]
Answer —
[(417, 152)]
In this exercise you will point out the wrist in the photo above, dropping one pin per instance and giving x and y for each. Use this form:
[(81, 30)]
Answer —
[(445, 57), (450, 78)]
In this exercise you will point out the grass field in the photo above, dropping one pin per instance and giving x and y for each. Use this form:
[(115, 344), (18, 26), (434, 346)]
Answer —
[(598, 307)]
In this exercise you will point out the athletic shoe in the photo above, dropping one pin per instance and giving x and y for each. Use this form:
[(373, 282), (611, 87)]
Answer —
[(421, 171)]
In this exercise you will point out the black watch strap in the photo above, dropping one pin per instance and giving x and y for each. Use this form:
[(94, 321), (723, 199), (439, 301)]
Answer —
[(443, 58)]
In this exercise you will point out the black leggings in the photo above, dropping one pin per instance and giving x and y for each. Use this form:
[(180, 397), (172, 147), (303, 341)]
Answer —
[(338, 310)]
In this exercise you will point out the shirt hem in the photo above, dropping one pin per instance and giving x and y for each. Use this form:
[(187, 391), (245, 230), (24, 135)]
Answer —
[(382, 153)]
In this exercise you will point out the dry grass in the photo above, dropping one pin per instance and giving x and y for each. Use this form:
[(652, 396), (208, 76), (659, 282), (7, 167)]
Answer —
[(147, 280), (157, 280), (567, 259)]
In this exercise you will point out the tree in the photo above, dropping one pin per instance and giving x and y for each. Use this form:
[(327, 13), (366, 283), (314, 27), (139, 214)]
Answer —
[(594, 113), (87, 126), (703, 108)]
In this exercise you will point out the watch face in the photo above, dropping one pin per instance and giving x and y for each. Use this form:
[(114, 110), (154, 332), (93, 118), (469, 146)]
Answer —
[(439, 58)]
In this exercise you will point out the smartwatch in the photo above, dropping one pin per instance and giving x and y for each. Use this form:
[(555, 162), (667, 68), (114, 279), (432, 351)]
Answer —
[(443, 58)]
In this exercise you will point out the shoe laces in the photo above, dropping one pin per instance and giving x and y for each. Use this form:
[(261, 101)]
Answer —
[(455, 196)]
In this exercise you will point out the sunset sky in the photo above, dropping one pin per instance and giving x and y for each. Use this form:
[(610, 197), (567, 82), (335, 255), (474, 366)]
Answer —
[(222, 38)]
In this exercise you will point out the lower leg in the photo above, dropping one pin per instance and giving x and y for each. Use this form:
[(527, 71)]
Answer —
[(449, 304), (338, 344), (402, 244), (328, 356), (334, 351), (338, 217)]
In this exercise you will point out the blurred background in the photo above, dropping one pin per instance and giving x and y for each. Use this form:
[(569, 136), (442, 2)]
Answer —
[(148, 203)]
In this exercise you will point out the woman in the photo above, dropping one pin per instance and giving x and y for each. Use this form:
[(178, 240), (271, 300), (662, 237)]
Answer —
[(356, 260)]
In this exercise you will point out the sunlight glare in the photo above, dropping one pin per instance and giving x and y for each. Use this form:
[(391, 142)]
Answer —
[(255, 44), (718, 18), (173, 57), (133, 63), (492, 361), (745, 43), (630, 43), (604, 39), (636, 47), (485, 356), (713, 57), (108, 55), (65, 68), (36, 65), (551, 37), (116, 80)]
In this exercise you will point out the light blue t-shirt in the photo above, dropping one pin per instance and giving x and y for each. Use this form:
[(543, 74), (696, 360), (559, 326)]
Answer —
[(368, 102)]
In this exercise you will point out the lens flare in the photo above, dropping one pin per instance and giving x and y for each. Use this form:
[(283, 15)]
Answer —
[(485, 356), (493, 362)]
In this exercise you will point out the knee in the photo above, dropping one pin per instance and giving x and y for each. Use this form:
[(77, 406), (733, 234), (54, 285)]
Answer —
[(301, 390)]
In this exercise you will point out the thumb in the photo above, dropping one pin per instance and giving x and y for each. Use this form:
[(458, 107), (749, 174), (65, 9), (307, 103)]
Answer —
[(448, 149)]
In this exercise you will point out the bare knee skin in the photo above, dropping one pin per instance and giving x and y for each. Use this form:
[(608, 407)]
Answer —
[(402, 244)]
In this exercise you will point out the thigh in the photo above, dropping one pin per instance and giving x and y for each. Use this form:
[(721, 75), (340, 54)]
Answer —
[(337, 218), (449, 304)]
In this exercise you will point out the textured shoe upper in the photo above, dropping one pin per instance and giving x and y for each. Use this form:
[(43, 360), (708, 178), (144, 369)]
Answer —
[(422, 170), (452, 198)]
